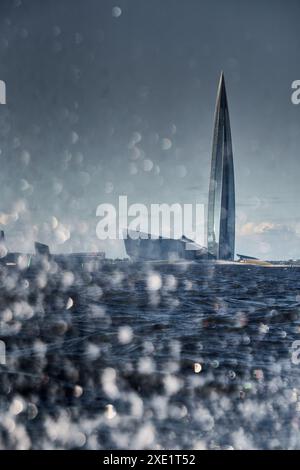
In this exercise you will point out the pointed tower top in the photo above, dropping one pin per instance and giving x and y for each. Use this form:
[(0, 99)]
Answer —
[(222, 95), (221, 200), (222, 79)]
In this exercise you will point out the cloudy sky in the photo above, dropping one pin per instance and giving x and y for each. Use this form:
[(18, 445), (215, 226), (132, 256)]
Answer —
[(104, 101)]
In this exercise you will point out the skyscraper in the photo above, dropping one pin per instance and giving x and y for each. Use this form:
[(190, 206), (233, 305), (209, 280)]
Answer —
[(221, 199)]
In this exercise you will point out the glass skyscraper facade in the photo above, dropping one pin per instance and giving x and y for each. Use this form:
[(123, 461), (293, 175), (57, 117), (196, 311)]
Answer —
[(221, 202)]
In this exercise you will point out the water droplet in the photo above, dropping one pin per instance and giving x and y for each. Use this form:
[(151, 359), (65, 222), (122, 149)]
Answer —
[(154, 282), (166, 144), (110, 412), (125, 334), (197, 368), (116, 12), (70, 303)]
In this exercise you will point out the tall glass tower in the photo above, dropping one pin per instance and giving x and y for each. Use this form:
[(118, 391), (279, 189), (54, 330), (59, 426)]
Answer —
[(221, 200)]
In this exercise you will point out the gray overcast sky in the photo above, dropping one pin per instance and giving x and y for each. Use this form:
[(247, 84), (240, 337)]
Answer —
[(82, 84)]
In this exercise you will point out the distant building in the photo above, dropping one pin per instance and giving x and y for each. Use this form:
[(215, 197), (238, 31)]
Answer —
[(221, 204), (221, 200), (92, 261), (141, 247)]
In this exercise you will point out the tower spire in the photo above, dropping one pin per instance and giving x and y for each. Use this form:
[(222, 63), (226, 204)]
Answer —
[(221, 201)]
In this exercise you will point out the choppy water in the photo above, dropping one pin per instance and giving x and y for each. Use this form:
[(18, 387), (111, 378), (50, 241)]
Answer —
[(141, 356)]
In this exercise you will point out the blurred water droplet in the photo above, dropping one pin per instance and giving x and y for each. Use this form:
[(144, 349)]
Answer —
[(154, 282), (148, 165), (116, 12), (125, 334), (70, 303), (166, 144), (110, 412), (197, 368)]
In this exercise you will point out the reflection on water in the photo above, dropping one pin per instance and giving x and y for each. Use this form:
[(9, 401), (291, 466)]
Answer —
[(150, 356)]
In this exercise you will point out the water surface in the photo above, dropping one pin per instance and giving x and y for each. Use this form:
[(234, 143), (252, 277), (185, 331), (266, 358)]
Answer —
[(168, 356)]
